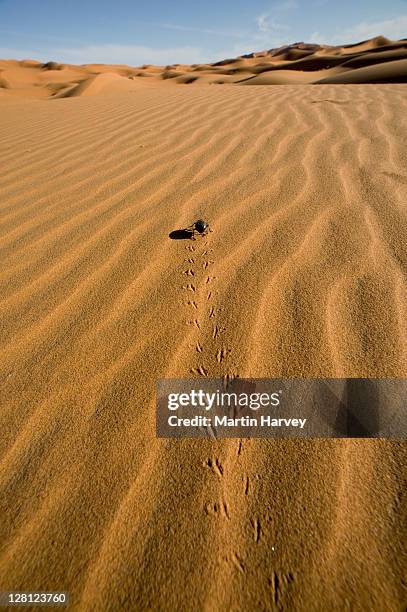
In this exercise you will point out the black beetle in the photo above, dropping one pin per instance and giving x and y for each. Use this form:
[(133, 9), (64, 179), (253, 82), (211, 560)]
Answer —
[(200, 226)]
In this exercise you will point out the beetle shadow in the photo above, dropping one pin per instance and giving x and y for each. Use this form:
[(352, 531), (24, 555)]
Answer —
[(181, 234)]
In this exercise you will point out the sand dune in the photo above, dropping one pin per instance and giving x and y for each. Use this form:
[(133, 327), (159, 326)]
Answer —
[(378, 60), (303, 275), (387, 72), (108, 82), (287, 77)]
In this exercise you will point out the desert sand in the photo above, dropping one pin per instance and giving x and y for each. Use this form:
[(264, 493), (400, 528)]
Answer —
[(305, 187)]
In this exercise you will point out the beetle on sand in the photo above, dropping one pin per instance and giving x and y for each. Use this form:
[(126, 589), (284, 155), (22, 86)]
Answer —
[(200, 226)]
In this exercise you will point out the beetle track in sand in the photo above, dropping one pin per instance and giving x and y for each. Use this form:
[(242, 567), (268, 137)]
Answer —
[(204, 314)]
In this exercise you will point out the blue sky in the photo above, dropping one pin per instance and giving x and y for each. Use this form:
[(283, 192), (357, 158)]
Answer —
[(163, 32)]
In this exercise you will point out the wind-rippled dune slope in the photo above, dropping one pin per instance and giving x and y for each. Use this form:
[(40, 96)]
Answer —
[(303, 275)]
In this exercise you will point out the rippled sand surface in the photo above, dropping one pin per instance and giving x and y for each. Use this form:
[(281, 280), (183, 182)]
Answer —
[(303, 276)]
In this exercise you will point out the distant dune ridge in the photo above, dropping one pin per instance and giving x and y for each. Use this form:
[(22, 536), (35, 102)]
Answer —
[(378, 60), (304, 275)]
